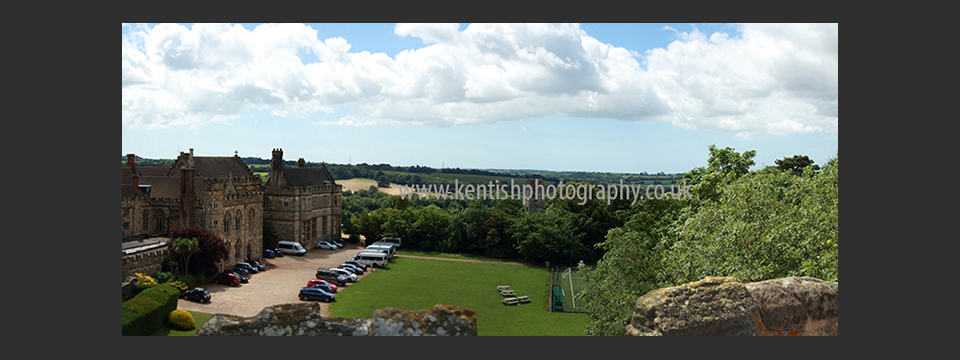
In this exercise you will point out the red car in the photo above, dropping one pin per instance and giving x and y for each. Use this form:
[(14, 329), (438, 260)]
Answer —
[(313, 282), (227, 279)]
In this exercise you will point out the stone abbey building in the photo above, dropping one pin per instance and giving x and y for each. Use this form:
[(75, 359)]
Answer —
[(222, 195), (302, 204)]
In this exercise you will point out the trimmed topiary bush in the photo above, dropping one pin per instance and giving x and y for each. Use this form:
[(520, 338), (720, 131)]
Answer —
[(181, 320), (145, 313)]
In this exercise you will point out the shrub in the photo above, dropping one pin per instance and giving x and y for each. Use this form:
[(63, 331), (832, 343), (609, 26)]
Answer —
[(145, 280), (181, 320), (164, 277), (145, 313), (179, 285)]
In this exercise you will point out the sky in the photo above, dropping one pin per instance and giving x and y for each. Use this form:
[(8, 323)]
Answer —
[(623, 98)]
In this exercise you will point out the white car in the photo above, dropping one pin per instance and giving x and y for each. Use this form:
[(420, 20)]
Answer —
[(327, 246), (352, 276)]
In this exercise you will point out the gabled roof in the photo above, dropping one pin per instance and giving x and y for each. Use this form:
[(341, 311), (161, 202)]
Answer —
[(167, 187), (304, 177), (153, 170), (215, 167)]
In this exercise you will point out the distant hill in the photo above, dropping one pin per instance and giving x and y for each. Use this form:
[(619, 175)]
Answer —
[(410, 175)]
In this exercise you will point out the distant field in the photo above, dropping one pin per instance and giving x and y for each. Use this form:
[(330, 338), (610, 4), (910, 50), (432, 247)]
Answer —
[(485, 179), (364, 184)]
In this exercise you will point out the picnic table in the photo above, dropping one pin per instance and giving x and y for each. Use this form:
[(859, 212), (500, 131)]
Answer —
[(502, 288), (511, 301), (507, 293)]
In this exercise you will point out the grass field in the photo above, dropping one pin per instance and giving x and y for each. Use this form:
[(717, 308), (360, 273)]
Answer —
[(364, 184), (414, 284), (443, 255)]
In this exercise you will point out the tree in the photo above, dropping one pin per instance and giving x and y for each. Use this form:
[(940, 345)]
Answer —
[(383, 181), (212, 251), (796, 164), (754, 226), (186, 247)]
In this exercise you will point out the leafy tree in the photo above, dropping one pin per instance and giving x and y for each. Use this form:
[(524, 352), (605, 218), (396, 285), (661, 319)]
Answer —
[(753, 226), (796, 164), (724, 166), (213, 249), (632, 265), (383, 181), (186, 247), (546, 235)]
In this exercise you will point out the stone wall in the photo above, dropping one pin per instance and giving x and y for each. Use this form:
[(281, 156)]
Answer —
[(723, 306), (304, 319), (147, 262)]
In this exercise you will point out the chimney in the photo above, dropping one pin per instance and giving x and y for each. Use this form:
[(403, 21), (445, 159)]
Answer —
[(187, 195), (136, 182)]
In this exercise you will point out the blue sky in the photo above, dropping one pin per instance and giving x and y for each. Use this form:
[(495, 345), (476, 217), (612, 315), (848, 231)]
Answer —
[(563, 97)]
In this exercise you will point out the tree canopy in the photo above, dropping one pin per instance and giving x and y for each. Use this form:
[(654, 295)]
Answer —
[(750, 225)]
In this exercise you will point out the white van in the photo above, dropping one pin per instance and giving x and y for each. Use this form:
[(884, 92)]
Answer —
[(292, 248), (369, 258), (387, 249)]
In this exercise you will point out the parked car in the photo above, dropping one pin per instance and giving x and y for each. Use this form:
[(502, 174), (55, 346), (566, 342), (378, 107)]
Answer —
[(199, 295), (313, 293), (326, 246), (350, 275), (240, 270), (227, 279), (319, 281), (244, 276), (332, 277), (277, 252), (325, 287), (357, 264), (338, 242), (351, 268), (257, 265), (250, 268), (269, 253)]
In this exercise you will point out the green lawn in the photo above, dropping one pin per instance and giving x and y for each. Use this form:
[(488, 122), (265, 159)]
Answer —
[(414, 284), (448, 255), (198, 317)]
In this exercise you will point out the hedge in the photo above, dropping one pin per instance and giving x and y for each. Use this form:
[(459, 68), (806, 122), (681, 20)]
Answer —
[(145, 313)]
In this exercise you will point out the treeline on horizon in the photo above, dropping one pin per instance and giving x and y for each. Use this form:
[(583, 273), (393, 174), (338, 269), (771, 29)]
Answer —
[(416, 175)]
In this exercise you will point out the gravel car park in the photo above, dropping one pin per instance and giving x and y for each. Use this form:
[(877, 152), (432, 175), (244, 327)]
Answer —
[(281, 284)]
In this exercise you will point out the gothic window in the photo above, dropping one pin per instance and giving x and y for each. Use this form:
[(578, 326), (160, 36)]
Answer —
[(239, 220), (226, 223), (146, 220), (250, 218), (240, 254), (158, 219)]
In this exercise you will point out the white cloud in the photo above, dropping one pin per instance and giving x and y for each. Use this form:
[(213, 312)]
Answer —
[(763, 80)]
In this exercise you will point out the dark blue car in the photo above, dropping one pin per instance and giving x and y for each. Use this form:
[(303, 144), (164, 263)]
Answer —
[(323, 287), (269, 253), (315, 293)]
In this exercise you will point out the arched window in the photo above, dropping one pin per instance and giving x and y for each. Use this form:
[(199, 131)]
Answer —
[(146, 220), (158, 219), (239, 220), (226, 223), (240, 254), (250, 219)]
